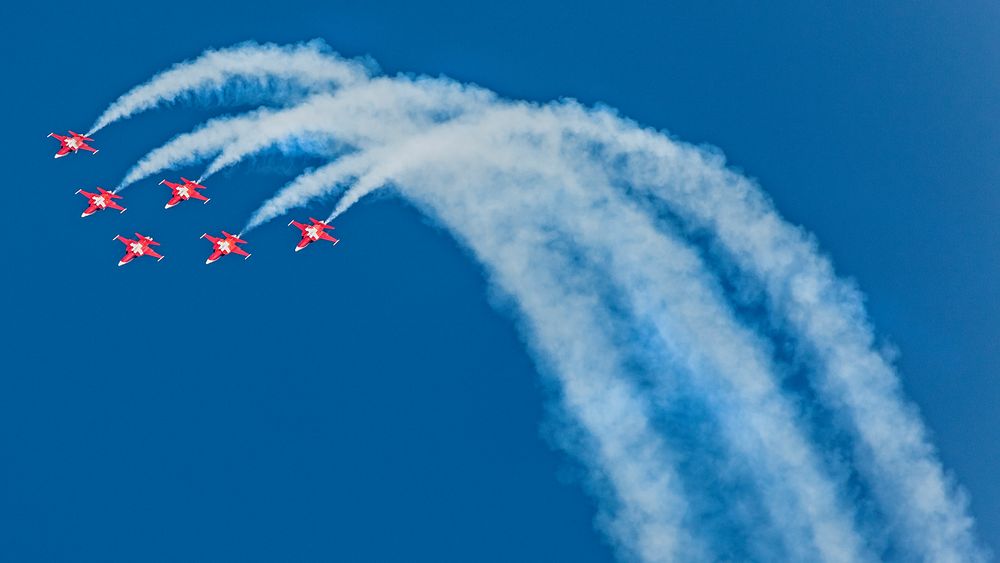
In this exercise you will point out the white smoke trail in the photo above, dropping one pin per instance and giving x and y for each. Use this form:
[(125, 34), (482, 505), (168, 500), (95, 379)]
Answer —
[(626, 450), (309, 186), (261, 68), (824, 313), (503, 177), (828, 317), (914, 490), (365, 114), (369, 114), (757, 419), (195, 146)]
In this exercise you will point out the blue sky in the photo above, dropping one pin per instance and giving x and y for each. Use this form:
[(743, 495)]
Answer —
[(366, 402)]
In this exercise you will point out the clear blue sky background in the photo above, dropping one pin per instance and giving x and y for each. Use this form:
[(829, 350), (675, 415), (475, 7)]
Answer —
[(366, 402)]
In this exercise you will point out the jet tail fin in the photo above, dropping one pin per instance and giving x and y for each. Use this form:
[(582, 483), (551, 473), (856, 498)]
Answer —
[(192, 183), (234, 237)]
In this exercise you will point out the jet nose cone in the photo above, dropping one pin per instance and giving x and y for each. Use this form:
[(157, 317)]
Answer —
[(121, 263), (85, 215), (298, 248), (209, 261)]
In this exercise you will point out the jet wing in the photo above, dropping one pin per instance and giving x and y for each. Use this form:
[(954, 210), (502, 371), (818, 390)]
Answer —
[(114, 205), (326, 236), (240, 251), (150, 252), (197, 195), (86, 147)]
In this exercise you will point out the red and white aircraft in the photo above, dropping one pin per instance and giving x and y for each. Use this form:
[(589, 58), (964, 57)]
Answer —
[(72, 143), (223, 246), (183, 192), (100, 201), (138, 247), (312, 233)]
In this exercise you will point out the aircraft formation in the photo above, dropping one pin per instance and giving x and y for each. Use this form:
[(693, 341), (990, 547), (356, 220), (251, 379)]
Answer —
[(180, 192)]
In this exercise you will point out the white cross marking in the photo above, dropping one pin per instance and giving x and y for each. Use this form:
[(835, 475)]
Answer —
[(224, 246), (312, 232), (183, 192), (136, 248), (99, 201)]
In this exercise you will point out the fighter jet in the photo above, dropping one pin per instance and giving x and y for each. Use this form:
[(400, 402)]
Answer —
[(312, 233), (138, 247), (223, 246), (100, 201), (183, 192), (72, 143)]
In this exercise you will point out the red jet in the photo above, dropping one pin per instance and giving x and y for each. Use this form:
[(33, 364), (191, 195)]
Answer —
[(183, 192), (72, 143), (312, 233), (223, 246), (138, 247), (100, 201)]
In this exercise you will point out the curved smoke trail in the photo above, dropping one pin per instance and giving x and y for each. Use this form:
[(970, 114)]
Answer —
[(260, 70), (589, 222)]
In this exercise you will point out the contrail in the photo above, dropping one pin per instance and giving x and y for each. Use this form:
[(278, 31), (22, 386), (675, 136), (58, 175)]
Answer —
[(310, 185), (596, 228), (368, 114), (195, 146), (364, 114), (260, 69), (826, 315), (756, 417), (623, 446)]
